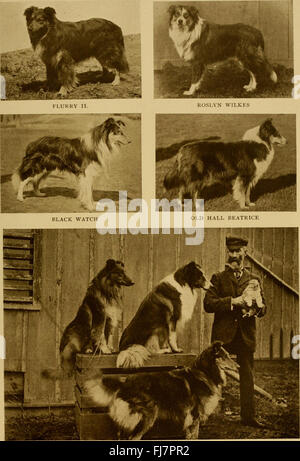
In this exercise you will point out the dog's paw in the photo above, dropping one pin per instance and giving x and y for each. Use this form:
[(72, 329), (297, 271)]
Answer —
[(188, 93), (105, 350), (249, 88), (38, 193), (20, 198)]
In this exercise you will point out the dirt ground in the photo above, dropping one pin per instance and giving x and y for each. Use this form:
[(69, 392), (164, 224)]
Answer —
[(25, 76), (280, 378), (61, 190), (276, 191), (225, 81)]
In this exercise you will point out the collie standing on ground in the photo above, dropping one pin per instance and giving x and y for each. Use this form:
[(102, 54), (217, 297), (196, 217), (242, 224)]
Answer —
[(61, 45), (200, 43), (86, 157), (241, 164)]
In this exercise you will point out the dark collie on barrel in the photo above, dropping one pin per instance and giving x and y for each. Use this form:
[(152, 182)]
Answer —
[(86, 157), (91, 331), (61, 45)]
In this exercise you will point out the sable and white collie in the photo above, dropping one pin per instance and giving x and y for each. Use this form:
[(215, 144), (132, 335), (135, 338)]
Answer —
[(200, 43), (183, 397), (153, 328), (92, 329), (241, 163), (86, 157), (60, 45)]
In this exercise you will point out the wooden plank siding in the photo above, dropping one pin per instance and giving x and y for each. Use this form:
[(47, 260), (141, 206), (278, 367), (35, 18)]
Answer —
[(273, 17), (68, 259)]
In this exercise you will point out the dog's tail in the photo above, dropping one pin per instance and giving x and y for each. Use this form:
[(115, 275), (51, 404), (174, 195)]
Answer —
[(133, 357), (101, 389), (172, 178), (16, 180)]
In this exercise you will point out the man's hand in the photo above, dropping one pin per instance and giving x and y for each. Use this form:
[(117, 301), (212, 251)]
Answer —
[(238, 302)]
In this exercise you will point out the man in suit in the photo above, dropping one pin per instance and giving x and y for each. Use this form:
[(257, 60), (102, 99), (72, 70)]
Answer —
[(231, 326)]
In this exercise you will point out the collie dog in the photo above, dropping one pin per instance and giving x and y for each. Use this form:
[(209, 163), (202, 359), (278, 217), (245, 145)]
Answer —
[(61, 45), (200, 43), (92, 329), (242, 163), (153, 328), (85, 157), (186, 396)]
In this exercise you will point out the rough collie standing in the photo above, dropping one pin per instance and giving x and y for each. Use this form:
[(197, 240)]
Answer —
[(242, 163), (153, 328), (97, 317), (60, 45), (184, 397), (85, 157), (200, 43)]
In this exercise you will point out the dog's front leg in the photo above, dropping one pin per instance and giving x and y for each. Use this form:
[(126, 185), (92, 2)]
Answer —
[(173, 338), (86, 192), (197, 72), (65, 72), (52, 77), (247, 200), (108, 333)]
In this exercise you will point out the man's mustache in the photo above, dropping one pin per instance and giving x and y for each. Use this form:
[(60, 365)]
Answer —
[(232, 259)]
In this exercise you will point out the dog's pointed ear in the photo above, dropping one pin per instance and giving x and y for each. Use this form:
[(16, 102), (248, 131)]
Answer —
[(194, 12), (109, 122), (120, 122), (267, 121), (216, 346), (50, 13), (29, 11), (171, 10), (110, 263)]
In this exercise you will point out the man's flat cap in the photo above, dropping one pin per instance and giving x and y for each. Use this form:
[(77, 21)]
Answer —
[(235, 243)]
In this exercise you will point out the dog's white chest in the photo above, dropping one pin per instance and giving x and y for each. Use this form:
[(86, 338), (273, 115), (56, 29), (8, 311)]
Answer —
[(187, 296), (113, 312), (183, 40), (210, 404), (188, 300), (263, 165), (39, 51)]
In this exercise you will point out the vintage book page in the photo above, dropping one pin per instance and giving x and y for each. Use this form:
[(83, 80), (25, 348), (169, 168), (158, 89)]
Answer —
[(149, 220)]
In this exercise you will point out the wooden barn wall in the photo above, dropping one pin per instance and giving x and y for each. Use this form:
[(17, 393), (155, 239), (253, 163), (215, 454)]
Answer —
[(70, 258), (273, 18)]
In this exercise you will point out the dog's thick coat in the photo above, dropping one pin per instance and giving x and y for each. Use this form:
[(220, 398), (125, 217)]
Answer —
[(185, 396), (98, 315), (201, 42), (85, 157), (241, 164), (60, 45), (153, 328)]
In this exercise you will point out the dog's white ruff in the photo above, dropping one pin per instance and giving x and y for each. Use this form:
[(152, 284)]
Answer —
[(187, 295), (183, 39)]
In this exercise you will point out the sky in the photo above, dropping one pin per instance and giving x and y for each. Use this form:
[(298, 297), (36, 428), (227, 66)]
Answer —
[(13, 31)]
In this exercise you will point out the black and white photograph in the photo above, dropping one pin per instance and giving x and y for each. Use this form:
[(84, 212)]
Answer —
[(135, 337), (67, 163), (229, 49), (233, 162), (71, 49)]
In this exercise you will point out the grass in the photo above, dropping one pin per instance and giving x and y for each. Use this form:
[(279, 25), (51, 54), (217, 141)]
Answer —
[(276, 191), (25, 76), (279, 377)]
